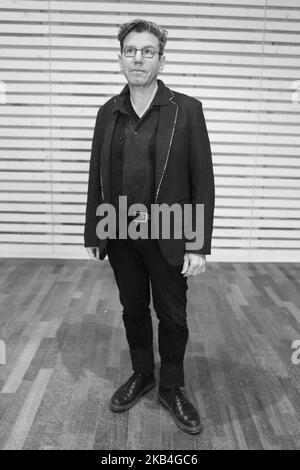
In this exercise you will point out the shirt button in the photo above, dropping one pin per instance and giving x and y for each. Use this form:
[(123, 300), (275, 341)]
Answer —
[(135, 132), (121, 137)]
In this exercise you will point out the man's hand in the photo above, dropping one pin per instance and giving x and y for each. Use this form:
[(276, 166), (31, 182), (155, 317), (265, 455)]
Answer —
[(193, 264), (93, 252)]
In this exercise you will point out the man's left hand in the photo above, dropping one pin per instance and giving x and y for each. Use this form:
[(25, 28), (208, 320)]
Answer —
[(193, 264)]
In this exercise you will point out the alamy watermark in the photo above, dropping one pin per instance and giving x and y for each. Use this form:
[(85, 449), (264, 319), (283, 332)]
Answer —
[(296, 354), (174, 221), (295, 85)]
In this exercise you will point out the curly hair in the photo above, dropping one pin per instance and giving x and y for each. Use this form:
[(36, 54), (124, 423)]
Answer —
[(140, 26)]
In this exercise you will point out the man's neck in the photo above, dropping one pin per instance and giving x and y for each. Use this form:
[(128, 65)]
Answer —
[(141, 97)]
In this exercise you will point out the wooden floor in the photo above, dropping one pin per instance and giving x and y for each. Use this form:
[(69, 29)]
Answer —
[(66, 353)]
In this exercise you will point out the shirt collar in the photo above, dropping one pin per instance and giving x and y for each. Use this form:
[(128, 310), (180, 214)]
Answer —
[(162, 97)]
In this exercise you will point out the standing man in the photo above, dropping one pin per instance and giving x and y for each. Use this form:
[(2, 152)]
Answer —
[(151, 144)]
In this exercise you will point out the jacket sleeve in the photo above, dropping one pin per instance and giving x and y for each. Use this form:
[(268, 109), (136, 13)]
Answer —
[(94, 187), (201, 177)]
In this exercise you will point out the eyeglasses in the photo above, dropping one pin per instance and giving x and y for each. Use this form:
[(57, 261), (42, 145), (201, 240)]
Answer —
[(147, 52)]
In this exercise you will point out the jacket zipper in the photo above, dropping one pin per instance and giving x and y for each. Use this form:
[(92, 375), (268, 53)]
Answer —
[(166, 162)]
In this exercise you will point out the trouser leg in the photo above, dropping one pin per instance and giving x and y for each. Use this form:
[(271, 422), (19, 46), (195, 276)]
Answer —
[(169, 292), (134, 292)]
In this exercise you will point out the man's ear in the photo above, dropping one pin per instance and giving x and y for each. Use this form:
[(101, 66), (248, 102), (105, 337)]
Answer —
[(120, 61), (162, 62)]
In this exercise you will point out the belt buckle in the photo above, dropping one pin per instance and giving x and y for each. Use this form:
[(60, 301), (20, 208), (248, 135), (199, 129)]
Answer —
[(141, 217)]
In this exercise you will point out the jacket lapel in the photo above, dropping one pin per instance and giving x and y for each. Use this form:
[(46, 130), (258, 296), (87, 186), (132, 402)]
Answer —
[(105, 157), (165, 132), (105, 176)]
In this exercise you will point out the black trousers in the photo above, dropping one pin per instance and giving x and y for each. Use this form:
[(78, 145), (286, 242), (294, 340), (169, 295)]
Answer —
[(137, 264)]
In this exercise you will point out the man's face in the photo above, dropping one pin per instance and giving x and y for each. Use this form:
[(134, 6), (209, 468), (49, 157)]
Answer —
[(138, 70)]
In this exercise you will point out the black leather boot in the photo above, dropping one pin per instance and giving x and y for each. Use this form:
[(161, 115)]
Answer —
[(181, 409), (129, 393)]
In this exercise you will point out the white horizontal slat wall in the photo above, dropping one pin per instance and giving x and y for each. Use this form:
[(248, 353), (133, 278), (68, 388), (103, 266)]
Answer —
[(58, 64)]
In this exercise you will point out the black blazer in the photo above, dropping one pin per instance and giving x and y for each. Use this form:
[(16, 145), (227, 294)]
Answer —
[(183, 168)]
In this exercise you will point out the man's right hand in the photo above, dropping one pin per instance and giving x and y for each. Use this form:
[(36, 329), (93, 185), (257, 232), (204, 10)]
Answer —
[(93, 252)]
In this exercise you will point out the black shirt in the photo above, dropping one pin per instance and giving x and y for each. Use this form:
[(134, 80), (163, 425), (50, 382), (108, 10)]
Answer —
[(133, 153)]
